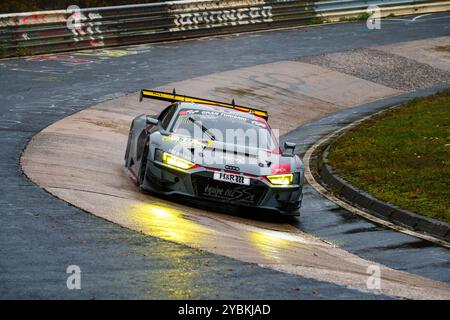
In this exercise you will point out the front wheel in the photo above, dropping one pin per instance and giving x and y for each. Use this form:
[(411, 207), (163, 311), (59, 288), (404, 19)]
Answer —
[(127, 151), (143, 166)]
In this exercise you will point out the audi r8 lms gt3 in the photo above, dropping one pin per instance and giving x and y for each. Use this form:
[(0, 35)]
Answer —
[(213, 151)]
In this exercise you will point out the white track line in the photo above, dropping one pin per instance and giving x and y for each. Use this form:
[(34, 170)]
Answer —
[(422, 15)]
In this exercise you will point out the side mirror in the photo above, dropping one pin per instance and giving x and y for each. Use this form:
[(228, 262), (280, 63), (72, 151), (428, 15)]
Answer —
[(289, 148), (151, 121)]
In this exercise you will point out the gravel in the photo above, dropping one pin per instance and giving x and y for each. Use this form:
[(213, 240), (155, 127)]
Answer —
[(387, 69)]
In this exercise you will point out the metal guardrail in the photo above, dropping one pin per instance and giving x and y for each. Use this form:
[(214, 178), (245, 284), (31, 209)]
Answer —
[(65, 30), (358, 4)]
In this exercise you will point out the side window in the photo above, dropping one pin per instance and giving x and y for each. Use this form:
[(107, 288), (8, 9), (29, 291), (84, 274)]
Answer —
[(166, 116)]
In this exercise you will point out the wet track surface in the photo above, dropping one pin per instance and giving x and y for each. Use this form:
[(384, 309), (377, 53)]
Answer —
[(352, 233), (41, 235)]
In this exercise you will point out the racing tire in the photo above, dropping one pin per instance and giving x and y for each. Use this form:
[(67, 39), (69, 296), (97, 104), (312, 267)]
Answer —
[(127, 151), (143, 167)]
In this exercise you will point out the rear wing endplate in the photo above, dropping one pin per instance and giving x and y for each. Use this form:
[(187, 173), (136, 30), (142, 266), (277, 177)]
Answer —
[(173, 97)]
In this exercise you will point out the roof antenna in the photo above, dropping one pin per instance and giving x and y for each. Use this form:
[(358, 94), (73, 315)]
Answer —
[(174, 92), (232, 102)]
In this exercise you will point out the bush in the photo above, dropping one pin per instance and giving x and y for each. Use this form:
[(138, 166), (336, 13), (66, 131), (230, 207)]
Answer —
[(14, 6)]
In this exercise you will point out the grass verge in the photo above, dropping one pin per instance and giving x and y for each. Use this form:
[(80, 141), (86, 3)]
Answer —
[(402, 156)]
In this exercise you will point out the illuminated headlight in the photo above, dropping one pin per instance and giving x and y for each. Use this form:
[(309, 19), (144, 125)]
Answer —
[(176, 162), (281, 179)]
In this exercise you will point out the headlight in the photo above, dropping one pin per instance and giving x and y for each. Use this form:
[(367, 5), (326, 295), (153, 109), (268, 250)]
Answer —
[(281, 179), (176, 162)]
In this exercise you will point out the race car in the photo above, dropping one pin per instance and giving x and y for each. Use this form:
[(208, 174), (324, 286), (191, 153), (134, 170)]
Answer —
[(213, 151)]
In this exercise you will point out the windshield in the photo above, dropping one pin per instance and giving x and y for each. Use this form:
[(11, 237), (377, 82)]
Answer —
[(225, 126)]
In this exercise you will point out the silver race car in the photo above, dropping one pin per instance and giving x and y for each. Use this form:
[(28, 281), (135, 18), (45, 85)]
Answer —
[(214, 151)]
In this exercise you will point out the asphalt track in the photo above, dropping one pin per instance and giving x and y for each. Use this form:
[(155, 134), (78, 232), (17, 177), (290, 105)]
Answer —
[(115, 259)]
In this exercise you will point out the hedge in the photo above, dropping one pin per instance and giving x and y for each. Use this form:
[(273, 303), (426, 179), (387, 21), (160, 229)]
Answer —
[(14, 6)]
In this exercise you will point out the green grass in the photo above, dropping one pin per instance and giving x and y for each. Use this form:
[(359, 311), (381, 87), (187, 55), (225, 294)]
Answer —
[(359, 17), (402, 156)]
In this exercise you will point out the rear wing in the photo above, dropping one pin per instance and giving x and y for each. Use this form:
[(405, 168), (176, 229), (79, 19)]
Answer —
[(173, 97)]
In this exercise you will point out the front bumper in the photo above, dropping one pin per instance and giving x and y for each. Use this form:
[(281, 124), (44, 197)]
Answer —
[(199, 183)]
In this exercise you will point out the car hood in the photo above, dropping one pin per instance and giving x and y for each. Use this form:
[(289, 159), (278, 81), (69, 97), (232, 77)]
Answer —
[(230, 157)]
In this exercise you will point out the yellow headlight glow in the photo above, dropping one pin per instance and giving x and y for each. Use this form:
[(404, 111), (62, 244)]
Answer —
[(176, 162), (281, 179)]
